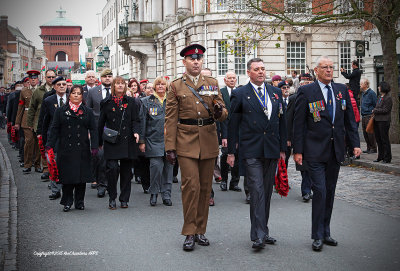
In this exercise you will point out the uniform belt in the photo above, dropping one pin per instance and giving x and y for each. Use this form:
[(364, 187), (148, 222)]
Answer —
[(198, 122)]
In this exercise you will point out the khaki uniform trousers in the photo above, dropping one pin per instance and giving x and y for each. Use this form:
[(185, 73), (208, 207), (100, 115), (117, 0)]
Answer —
[(196, 179), (31, 149)]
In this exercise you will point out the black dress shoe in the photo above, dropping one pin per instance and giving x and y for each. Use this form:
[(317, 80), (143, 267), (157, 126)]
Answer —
[(386, 161), (201, 240), (330, 241), (45, 176), (54, 196), (67, 208), (175, 180), (307, 197), (21, 165), (223, 186), (377, 160), (38, 170), (269, 240), (258, 244), (188, 245), (235, 188), (101, 191), (167, 202), (248, 198), (80, 207), (153, 199), (21, 160), (112, 204), (26, 170), (317, 245), (146, 191), (124, 204)]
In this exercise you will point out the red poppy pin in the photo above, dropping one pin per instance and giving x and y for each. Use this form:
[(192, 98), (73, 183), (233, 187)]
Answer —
[(276, 96), (80, 112), (113, 109), (339, 96), (125, 105)]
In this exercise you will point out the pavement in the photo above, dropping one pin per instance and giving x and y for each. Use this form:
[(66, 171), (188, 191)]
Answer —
[(366, 219), (367, 160)]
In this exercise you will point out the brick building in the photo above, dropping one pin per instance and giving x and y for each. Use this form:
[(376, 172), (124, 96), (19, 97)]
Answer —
[(61, 39)]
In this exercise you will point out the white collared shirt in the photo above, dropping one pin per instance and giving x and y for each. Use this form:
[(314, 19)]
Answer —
[(269, 103), (104, 91), (325, 93), (229, 90), (64, 97)]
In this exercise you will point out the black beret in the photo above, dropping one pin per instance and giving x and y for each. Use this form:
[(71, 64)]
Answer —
[(58, 79)]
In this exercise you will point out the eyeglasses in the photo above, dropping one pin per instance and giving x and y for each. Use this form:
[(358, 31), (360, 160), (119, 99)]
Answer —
[(285, 87), (61, 84), (50, 77), (327, 67)]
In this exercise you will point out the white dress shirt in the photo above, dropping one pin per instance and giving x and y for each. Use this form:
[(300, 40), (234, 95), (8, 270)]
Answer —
[(269, 103), (64, 97)]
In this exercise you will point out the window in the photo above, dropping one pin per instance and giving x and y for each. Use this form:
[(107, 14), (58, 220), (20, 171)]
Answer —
[(344, 55), (240, 57), (222, 58), (296, 6), (223, 5), (345, 6), (296, 57)]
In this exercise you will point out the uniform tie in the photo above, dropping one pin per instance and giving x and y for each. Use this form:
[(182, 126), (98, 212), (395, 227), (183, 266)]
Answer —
[(260, 93), (61, 101), (107, 92), (329, 105)]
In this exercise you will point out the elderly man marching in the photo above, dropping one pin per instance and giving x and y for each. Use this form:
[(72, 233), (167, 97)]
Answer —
[(194, 102)]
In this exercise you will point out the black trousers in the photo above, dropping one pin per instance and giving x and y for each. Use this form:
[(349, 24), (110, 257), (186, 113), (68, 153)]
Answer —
[(288, 153), (124, 171), (71, 192), (260, 174), (176, 169), (99, 169), (381, 129), (142, 170), (225, 169)]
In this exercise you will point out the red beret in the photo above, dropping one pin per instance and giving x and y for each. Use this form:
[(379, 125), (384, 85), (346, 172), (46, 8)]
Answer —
[(69, 81)]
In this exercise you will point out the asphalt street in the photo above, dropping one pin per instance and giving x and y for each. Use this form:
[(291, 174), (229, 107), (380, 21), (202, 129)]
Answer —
[(148, 238)]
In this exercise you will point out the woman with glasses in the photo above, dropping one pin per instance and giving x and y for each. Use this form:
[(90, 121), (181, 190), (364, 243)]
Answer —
[(121, 114), (69, 135), (152, 143)]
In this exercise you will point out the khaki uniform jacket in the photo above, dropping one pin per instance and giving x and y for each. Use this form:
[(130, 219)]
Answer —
[(199, 142), (34, 107), (23, 107)]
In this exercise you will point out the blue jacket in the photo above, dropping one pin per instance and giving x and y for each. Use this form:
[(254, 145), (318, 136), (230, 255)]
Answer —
[(368, 102), (259, 137), (314, 138)]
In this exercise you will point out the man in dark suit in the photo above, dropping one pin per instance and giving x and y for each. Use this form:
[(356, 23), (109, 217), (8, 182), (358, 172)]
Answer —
[(262, 142), (354, 79), (323, 112), (90, 80), (94, 97), (230, 82), (49, 105)]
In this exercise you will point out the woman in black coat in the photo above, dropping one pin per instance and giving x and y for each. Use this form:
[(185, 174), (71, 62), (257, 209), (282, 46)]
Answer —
[(120, 113), (382, 113), (69, 131)]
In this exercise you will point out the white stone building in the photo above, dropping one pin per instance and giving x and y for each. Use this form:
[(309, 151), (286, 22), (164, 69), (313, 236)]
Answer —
[(157, 30)]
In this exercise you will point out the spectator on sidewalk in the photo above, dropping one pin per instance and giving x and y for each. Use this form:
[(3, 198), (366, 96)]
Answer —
[(354, 79), (382, 119), (368, 103)]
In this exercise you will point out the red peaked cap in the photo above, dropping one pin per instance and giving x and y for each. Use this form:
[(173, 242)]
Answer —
[(144, 81), (69, 81), (33, 73), (193, 49)]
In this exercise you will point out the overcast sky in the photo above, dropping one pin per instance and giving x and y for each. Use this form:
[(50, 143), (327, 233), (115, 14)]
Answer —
[(28, 15)]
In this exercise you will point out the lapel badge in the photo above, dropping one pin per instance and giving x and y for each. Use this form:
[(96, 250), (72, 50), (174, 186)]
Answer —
[(248, 97)]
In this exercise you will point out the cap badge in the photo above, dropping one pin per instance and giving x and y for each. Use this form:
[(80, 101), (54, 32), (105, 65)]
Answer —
[(196, 50)]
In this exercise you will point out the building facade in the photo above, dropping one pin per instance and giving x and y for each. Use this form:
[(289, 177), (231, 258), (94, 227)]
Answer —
[(18, 53), (157, 30)]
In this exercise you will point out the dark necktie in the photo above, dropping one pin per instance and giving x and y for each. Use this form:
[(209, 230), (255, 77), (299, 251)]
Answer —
[(285, 101), (107, 92), (329, 104), (61, 101), (260, 93)]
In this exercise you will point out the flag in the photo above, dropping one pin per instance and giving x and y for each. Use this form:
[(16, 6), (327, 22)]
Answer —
[(70, 69), (26, 66), (43, 68), (57, 68), (12, 67)]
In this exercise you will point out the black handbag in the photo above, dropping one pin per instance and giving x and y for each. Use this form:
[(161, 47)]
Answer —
[(110, 135)]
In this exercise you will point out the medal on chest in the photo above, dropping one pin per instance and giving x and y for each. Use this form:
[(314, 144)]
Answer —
[(316, 108)]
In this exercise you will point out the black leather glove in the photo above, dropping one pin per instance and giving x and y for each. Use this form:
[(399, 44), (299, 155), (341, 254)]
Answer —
[(171, 157), (217, 110)]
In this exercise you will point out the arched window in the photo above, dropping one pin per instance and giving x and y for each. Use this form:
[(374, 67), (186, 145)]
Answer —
[(61, 56)]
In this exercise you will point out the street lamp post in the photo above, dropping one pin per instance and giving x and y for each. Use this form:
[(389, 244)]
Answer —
[(106, 54)]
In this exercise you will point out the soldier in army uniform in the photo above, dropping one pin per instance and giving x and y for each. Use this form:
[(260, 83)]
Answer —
[(194, 102), (31, 148)]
